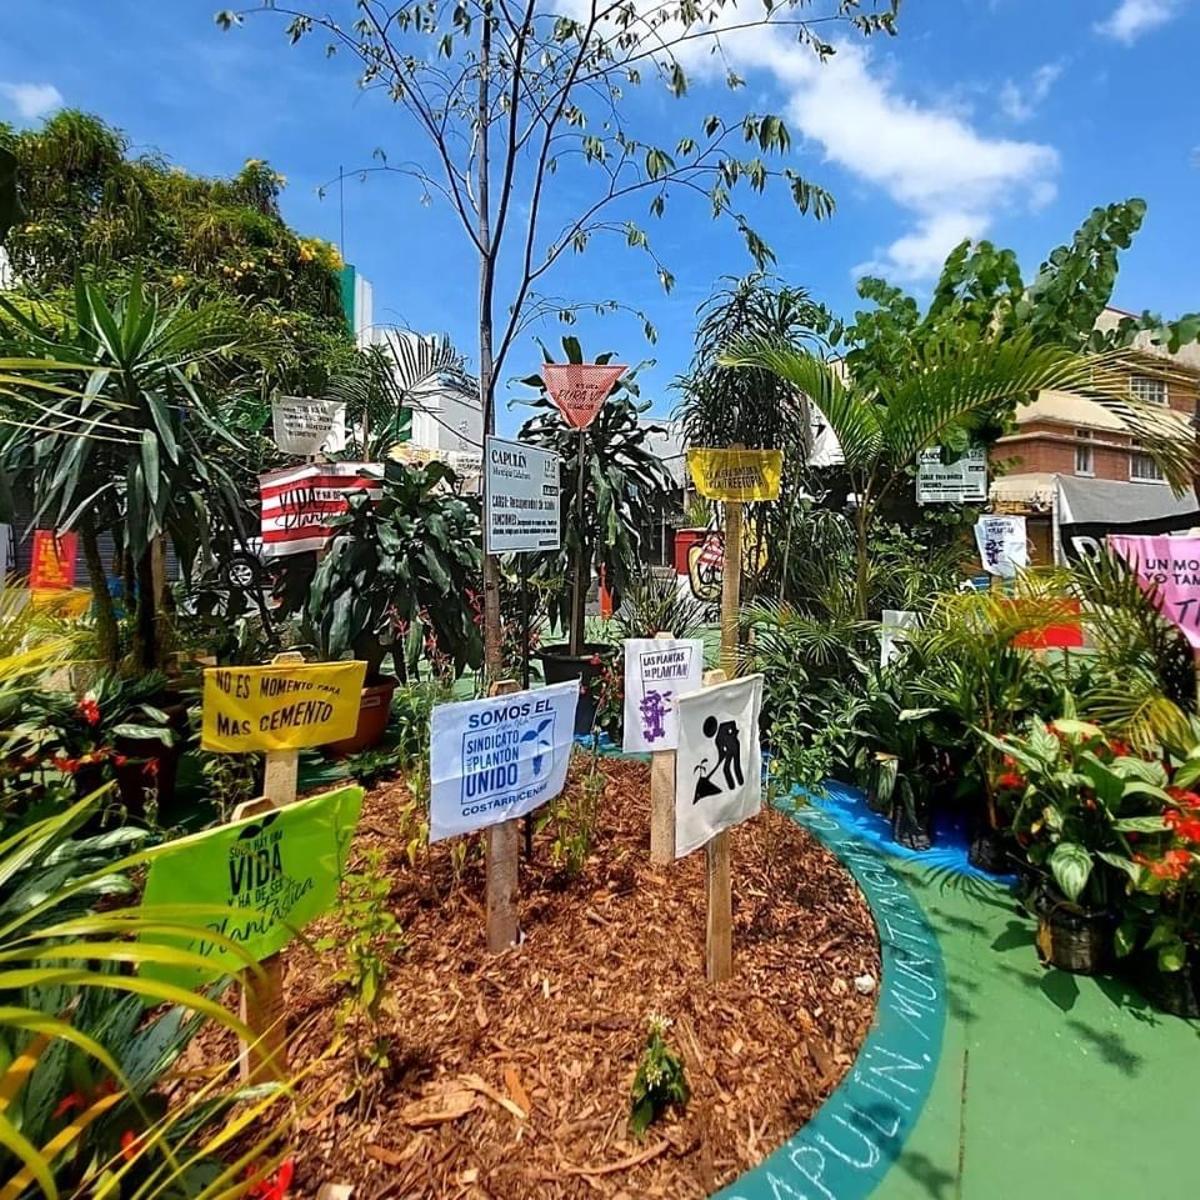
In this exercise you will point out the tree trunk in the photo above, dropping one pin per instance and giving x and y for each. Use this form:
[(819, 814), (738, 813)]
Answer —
[(145, 645), (583, 575), (107, 633), (862, 572), (493, 656)]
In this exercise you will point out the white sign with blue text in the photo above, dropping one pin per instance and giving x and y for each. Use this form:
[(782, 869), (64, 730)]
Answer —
[(496, 759)]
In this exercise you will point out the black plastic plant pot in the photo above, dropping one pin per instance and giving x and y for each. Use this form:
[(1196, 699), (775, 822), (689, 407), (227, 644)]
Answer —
[(559, 665), (1071, 938), (1173, 992)]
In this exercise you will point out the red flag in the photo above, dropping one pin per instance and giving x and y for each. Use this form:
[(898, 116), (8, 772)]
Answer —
[(580, 389)]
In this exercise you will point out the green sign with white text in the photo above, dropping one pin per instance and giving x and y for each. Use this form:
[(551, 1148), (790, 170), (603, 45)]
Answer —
[(275, 872)]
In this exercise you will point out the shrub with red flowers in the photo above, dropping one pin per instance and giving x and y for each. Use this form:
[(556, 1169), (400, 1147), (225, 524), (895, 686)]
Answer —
[(62, 745), (1077, 800), (608, 689)]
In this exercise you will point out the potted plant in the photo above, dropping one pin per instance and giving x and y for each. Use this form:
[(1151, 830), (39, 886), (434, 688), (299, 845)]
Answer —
[(1077, 800), (398, 580), (624, 485)]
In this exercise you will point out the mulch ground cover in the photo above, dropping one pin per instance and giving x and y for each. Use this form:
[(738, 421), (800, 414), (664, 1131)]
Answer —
[(509, 1075)]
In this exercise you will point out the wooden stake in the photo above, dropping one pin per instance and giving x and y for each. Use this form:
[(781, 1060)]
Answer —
[(662, 800), (502, 845), (718, 890), (731, 584), (261, 1006)]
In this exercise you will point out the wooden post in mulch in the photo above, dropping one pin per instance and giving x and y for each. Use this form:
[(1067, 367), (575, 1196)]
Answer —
[(503, 843), (731, 583), (262, 995), (718, 891), (662, 800)]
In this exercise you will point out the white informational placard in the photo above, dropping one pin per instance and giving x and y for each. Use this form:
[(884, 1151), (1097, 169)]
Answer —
[(893, 631), (657, 672), (718, 765), (963, 481), (521, 513), (495, 759), (307, 426), (1003, 548)]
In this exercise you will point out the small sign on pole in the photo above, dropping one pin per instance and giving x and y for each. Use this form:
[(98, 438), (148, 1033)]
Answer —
[(1003, 548), (718, 784), (522, 513), (53, 565), (307, 426), (277, 708), (491, 762), (297, 503), (963, 481), (579, 390)]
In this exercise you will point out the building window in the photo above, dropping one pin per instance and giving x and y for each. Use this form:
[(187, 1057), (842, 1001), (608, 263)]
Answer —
[(1143, 469), (1148, 389), (1084, 453)]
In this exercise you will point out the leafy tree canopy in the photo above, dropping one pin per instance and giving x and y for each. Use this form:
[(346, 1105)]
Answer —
[(89, 206)]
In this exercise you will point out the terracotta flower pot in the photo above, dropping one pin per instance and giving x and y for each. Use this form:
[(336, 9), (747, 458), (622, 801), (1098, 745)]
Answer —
[(374, 711)]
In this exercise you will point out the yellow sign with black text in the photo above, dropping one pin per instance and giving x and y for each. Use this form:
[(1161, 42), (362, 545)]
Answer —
[(284, 706), (736, 474)]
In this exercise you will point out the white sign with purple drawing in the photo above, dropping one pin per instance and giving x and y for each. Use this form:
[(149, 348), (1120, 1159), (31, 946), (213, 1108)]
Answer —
[(657, 671)]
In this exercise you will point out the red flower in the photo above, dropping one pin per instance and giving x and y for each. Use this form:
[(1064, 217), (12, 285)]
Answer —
[(68, 1103), (1010, 779), (274, 1187), (150, 767), (67, 765), (594, 660), (1187, 827), (89, 710), (1184, 797), (119, 760), (131, 1145), (1120, 749)]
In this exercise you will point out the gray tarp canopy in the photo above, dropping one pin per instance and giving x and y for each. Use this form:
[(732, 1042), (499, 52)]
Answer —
[(1111, 502)]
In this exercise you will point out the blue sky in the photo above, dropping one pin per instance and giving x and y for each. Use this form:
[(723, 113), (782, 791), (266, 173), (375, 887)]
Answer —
[(1008, 119)]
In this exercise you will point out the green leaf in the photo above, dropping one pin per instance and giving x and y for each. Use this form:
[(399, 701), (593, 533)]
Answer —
[(1071, 865), (1140, 825), (1125, 938), (1172, 956)]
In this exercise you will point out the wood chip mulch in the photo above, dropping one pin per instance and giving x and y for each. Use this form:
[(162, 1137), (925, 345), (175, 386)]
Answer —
[(509, 1076)]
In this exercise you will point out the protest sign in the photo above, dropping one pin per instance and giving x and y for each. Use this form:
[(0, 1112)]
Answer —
[(306, 426), (298, 503), (283, 706), (579, 390), (963, 481), (1003, 547), (495, 759), (736, 474), (1168, 569), (520, 498), (718, 765), (275, 872), (893, 630), (53, 564), (657, 671)]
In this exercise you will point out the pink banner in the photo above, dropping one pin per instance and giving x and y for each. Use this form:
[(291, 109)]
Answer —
[(1168, 569)]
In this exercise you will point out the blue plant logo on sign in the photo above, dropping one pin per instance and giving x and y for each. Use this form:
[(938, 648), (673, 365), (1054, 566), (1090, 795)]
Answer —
[(507, 753)]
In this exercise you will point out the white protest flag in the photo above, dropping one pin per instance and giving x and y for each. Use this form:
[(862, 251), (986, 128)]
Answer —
[(306, 426), (1003, 547), (718, 765), (893, 630), (495, 759), (657, 672)]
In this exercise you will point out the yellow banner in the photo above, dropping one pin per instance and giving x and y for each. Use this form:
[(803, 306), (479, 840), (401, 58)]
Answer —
[(736, 474), (284, 706)]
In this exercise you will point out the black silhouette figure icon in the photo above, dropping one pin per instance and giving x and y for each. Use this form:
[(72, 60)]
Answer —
[(729, 759)]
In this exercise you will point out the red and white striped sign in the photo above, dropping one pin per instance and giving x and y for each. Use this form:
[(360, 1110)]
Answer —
[(297, 503)]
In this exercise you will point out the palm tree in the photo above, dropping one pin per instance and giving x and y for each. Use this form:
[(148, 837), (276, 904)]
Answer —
[(884, 424), (395, 378), (109, 423)]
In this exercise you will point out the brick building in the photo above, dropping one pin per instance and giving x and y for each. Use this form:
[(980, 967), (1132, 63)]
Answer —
[(1073, 462)]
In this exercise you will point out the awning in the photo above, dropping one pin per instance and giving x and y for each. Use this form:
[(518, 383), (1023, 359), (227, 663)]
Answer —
[(1112, 502)]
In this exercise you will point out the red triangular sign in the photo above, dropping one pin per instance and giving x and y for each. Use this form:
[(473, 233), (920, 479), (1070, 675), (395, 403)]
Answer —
[(580, 389)]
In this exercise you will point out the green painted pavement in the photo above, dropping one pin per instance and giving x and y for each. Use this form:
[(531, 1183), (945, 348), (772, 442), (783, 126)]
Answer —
[(1050, 1086)]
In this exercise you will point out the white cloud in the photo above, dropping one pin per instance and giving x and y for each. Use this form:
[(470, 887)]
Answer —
[(1131, 18), (33, 100), (932, 162), (1019, 102)]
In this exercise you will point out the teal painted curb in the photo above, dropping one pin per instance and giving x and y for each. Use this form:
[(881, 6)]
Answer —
[(856, 1135)]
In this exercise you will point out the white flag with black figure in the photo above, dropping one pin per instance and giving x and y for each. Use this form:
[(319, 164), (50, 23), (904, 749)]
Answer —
[(718, 764)]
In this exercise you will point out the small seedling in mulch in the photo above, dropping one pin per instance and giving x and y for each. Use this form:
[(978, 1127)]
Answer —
[(575, 816), (368, 937), (660, 1081)]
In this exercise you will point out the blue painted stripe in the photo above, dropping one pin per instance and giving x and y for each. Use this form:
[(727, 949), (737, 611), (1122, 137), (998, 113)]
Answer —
[(856, 1135)]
